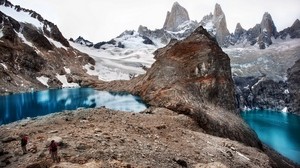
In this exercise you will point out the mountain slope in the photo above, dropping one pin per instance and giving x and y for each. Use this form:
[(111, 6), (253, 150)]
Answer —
[(34, 54)]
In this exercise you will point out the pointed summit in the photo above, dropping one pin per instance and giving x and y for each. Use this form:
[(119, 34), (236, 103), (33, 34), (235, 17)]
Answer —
[(176, 17), (218, 10), (296, 25), (268, 26), (292, 32), (239, 30), (219, 21)]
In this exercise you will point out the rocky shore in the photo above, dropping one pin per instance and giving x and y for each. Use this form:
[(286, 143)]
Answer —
[(101, 137)]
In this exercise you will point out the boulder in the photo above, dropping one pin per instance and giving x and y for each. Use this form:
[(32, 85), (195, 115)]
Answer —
[(193, 77)]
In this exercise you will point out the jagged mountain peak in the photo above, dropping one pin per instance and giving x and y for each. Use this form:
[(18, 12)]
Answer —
[(218, 10), (176, 17), (239, 30), (239, 27), (267, 25), (83, 41), (296, 24)]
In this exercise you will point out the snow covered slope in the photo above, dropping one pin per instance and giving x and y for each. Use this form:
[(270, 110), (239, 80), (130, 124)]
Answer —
[(272, 62), (125, 57)]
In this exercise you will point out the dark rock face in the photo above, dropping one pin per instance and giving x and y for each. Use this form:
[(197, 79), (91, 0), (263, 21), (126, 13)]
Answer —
[(38, 39), (294, 87), (293, 31), (82, 41), (193, 77), (260, 34), (257, 93)]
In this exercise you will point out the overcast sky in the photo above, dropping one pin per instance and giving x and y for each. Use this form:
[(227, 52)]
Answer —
[(102, 20)]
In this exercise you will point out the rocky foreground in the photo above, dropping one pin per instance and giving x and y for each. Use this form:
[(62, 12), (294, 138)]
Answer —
[(101, 137)]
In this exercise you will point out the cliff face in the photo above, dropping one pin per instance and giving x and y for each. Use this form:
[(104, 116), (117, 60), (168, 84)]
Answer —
[(193, 77), (219, 21), (294, 87)]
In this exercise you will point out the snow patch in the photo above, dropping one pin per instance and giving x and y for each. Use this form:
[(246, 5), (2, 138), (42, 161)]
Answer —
[(20, 16), (284, 110), (67, 70), (24, 39), (43, 80), (262, 79), (89, 70), (1, 33), (4, 66), (286, 91), (63, 80), (56, 43)]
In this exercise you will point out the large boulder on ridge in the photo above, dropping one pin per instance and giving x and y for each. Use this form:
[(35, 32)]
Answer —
[(193, 77)]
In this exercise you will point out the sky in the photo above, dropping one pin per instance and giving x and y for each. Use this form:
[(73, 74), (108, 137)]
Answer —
[(102, 20)]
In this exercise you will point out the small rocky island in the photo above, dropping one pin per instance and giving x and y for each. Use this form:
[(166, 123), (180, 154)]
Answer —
[(192, 120)]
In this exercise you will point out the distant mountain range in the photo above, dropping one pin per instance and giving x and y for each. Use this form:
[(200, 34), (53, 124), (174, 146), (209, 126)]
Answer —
[(178, 26)]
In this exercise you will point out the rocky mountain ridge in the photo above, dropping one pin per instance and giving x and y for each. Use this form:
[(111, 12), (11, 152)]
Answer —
[(178, 26), (34, 53)]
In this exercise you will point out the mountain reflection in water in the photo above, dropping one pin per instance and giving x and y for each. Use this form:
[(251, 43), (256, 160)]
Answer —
[(19, 106)]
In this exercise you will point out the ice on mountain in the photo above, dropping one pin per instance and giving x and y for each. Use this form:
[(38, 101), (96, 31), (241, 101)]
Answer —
[(63, 80), (21, 16), (25, 40), (43, 80)]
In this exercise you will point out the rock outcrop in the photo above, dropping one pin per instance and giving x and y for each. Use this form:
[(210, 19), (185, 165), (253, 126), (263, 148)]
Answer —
[(176, 17), (193, 77), (82, 41)]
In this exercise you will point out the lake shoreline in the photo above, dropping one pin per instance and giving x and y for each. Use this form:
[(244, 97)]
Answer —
[(157, 137)]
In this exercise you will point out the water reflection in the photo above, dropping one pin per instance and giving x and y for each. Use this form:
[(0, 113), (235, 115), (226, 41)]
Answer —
[(19, 106), (278, 130)]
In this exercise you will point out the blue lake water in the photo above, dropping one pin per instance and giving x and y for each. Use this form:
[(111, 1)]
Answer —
[(280, 131), (19, 106)]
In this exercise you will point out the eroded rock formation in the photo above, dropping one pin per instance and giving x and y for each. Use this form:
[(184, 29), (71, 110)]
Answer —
[(193, 77)]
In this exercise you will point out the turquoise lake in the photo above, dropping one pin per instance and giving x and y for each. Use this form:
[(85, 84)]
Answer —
[(15, 107), (280, 131)]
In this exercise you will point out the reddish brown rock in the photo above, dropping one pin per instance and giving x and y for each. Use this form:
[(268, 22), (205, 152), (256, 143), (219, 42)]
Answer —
[(193, 77)]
